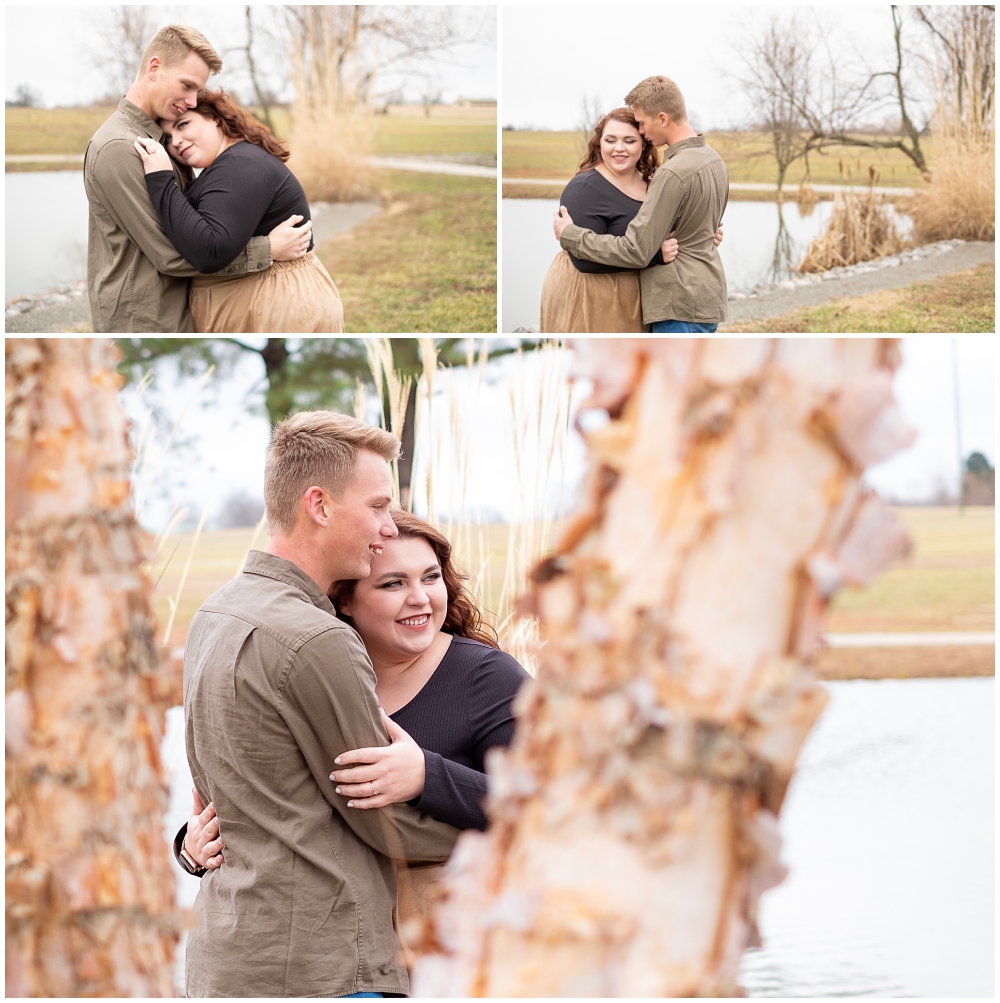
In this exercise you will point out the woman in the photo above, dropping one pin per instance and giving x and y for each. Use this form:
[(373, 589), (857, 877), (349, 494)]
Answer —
[(584, 297), (442, 681), (244, 190)]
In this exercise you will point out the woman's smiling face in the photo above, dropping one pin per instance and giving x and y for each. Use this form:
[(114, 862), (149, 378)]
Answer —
[(621, 146), (400, 607), (193, 139)]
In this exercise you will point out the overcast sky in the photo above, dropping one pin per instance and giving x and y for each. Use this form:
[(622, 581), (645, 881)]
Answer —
[(56, 50), (555, 56), (228, 445)]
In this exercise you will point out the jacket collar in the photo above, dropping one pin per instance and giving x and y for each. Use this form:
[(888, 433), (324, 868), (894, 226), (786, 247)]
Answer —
[(140, 119), (683, 144), (282, 570)]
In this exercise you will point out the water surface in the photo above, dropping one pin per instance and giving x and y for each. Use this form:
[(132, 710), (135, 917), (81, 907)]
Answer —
[(46, 231)]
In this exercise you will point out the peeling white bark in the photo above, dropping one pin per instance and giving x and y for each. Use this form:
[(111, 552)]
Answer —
[(634, 819)]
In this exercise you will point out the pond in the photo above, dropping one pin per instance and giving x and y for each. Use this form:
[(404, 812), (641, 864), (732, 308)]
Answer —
[(888, 831), (46, 241), (751, 252)]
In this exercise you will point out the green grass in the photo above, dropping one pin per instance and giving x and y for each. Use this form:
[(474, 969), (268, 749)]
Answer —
[(958, 303), (427, 263), (946, 584), (747, 155), (68, 131)]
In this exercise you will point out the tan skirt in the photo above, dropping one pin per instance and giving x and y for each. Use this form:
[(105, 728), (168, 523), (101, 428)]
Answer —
[(575, 302), (290, 297)]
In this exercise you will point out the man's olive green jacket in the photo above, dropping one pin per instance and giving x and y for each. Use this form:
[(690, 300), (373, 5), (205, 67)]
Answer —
[(275, 688)]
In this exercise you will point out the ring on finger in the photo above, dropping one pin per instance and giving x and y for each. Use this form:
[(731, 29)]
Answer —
[(374, 789)]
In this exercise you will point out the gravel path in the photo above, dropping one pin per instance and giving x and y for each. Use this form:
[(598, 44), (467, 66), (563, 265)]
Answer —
[(68, 309), (782, 301)]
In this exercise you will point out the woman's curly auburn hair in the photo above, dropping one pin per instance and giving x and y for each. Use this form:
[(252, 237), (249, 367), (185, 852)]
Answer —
[(237, 123), (649, 159), (463, 618)]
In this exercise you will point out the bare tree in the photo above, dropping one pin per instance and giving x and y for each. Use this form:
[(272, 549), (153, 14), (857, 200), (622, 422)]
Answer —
[(264, 98), (337, 52), (90, 897), (966, 69), (591, 109), (634, 820), (812, 99), (778, 79), (125, 32)]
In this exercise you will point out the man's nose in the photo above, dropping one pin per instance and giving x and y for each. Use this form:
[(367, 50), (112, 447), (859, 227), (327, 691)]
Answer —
[(388, 529)]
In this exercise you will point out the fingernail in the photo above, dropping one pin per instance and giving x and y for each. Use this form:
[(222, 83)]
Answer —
[(337, 760), (336, 790), (350, 804), (332, 777)]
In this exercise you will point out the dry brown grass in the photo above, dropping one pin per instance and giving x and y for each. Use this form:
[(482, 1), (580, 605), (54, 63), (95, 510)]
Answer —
[(860, 229), (329, 155), (959, 200)]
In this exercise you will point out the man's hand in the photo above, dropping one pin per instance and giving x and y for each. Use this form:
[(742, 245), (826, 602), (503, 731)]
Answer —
[(289, 241), (154, 156), (203, 841), (669, 248), (383, 775), (560, 221), (717, 239)]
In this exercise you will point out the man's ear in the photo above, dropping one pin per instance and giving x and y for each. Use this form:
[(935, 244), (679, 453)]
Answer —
[(153, 67), (317, 505)]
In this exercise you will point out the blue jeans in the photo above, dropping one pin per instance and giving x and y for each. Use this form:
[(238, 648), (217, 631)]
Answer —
[(682, 327)]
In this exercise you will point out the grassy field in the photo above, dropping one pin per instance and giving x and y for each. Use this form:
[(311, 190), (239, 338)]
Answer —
[(428, 263), (68, 131), (556, 155), (961, 302), (945, 585)]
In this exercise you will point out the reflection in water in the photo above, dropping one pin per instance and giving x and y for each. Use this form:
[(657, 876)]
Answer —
[(782, 263)]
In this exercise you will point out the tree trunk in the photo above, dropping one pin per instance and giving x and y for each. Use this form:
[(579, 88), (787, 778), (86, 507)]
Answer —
[(90, 894), (634, 819)]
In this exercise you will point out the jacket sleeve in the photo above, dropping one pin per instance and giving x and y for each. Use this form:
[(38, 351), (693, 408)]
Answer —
[(644, 235), (328, 701), (455, 793), (118, 173)]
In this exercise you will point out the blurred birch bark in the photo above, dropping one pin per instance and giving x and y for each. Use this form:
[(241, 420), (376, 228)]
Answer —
[(90, 907), (634, 821)]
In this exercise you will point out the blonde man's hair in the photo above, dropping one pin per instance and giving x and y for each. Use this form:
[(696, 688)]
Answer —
[(173, 43), (656, 94), (316, 447)]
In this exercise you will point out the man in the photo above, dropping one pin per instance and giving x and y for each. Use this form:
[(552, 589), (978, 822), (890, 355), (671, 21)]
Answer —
[(136, 279), (275, 688), (686, 198)]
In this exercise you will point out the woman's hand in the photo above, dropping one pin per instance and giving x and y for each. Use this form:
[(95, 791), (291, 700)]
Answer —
[(669, 248), (289, 241), (203, 841), (717, 239), (384, 775), (154, 157)]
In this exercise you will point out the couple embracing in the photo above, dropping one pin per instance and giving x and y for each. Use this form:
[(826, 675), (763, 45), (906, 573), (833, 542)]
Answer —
[(228, 252), (340, 696), (640, 238)]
